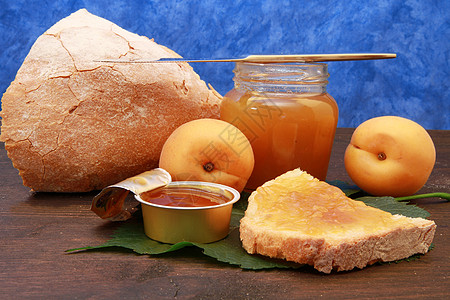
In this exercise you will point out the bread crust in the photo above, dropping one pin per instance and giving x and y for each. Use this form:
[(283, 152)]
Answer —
[(327, 253), (71, 124)]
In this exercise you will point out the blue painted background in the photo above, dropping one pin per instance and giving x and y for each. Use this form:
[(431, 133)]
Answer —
[(414, 85)]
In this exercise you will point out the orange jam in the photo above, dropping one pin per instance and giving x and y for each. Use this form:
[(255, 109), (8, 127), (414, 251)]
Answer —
[(287, 115), (183, 197)]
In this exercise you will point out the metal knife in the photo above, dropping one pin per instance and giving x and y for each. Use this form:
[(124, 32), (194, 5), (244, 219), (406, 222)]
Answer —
[(291, 58)]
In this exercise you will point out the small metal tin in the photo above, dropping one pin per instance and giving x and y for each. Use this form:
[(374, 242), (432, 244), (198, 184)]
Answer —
[(168, 224)]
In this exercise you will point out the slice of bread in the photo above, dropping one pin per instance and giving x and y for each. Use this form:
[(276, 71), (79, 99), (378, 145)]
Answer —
[(301, 219)]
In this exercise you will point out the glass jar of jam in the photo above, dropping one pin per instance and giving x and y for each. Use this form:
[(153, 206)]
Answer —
[(287, 115)]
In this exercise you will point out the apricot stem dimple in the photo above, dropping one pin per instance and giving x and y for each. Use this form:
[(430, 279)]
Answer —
[(381, 156), (208, 167)]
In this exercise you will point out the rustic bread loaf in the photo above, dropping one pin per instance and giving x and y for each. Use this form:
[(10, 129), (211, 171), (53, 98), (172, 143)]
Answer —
[(71, 124), (301, 219)]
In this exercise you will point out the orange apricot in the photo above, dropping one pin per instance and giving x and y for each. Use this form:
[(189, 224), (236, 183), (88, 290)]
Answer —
[(390, 156), (208, 150)]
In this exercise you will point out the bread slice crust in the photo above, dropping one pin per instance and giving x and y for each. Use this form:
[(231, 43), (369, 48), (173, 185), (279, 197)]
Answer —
[(338, 245)]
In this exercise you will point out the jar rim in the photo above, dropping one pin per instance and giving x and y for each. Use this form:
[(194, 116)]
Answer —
[(280, 69), (289, 77)]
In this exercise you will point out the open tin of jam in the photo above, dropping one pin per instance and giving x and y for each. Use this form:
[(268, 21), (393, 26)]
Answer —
[(191, 211)]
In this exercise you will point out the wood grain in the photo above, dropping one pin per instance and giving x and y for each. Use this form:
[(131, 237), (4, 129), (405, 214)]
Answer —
[(37, 228)]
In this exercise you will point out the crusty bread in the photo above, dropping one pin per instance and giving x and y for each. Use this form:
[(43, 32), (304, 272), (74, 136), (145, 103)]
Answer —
[(71, 124), (301, 219)]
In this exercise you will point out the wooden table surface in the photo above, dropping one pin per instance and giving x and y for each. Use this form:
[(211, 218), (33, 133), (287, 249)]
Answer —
[(37, 228)]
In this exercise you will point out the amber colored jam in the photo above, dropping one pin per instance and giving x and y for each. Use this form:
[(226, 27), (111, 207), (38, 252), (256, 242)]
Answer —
[(286, 131), (183, 197)]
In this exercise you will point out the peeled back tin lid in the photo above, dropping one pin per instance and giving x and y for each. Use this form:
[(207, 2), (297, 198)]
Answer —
[(110, 202)]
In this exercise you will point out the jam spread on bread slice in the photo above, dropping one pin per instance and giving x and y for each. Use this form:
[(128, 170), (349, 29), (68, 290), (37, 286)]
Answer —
[(302, 219)]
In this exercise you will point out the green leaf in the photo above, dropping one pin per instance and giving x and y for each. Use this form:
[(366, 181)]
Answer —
[(130, 234), (229, 250)]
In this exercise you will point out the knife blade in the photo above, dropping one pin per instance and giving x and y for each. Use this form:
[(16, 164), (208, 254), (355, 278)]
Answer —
[(290, 58)]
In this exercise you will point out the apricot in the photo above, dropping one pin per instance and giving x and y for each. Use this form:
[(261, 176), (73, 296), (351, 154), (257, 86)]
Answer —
[(390, 156), (208, 150)]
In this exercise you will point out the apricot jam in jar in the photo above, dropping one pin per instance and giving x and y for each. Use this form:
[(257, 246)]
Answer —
[(287, 115)]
